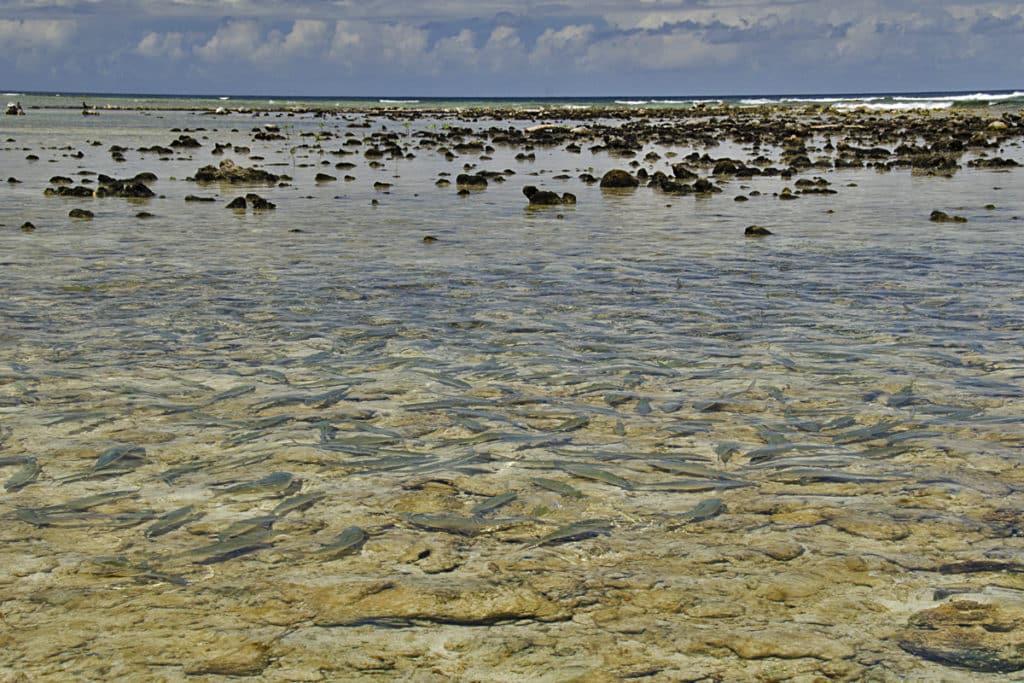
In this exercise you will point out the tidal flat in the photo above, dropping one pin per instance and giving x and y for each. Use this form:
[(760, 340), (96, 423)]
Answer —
[(390, 423)]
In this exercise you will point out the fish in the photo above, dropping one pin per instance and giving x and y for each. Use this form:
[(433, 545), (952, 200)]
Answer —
[(726, 450), (596, 474), (672, 406), (298, 503), (695, 485), (172, 520), (348, 542), (120, 565), (233, 392), (453, 524), (812, 475), (449, 380), (123, 455), (25, 476), (328, 399), (558, 487), (690, 469), (221, 551), (493, 503), (169, 476), (468, 424), (868, 433), (704, 510), (39, 517), (278, 484), (246, 526), (572, 424), (88, 502), (573, 532)]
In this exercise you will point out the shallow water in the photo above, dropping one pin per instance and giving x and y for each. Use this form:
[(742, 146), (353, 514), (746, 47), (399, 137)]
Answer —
[(632, 332)]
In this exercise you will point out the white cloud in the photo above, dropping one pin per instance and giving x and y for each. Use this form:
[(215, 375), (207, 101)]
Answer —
[(35, 34), (241, 40), (645, 50), (169, 45), (383, 46), (307, 37), (561, 45)]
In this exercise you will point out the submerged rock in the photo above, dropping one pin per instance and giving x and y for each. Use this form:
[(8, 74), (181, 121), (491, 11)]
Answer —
[(617, 178), (756, 231), (186, 141), (994, 162), (475, 181), (258, 203), (968, 635), (539, 197), (230, 172), (131, 188), (943, 217), (81, 214)]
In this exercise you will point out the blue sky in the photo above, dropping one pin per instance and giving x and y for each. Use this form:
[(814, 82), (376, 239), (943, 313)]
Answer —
[(482, 48)]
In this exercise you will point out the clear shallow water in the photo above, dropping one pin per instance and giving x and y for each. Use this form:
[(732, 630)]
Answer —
[(214, 340)]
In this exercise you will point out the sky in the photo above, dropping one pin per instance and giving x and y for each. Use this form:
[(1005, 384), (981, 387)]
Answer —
[(487, 48)]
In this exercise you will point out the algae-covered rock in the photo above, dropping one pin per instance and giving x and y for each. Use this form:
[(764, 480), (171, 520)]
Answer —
[(968, 635), (230, 172), (618, 179)]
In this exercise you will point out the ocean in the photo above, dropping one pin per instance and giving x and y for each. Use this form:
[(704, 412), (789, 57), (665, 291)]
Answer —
[(403, 426), (1008, 99)]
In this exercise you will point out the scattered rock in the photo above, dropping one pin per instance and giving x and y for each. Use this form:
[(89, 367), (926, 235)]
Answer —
[(474, 182), (27, 226), (230, 172), (618, 179), (994, 162), (197, 198), (440, 600), (429, 239), (968, 635), (324, 178), (129, 188), (546, 197), (229, 657), (238, 204), (65, 191), (756, 231), (943, 217), (186, 141), (258, 203), (81, 214)]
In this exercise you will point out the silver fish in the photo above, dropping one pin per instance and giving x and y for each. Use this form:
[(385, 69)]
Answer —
[(348, 542), (704, 510), (298, 503), (172, 520), (596, 474), (493, 503), (559, 487), (25, 476), (574, 532), (277, 484)]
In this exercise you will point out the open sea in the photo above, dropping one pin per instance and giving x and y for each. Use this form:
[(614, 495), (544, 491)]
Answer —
[(529, 421)]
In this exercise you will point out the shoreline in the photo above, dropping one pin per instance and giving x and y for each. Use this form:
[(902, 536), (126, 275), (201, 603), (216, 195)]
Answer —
[(390, 408)]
